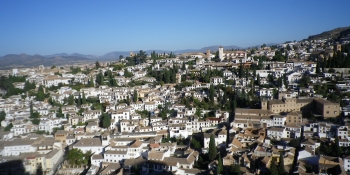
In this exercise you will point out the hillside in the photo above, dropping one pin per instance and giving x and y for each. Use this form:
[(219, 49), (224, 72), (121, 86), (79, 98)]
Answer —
[(335, 33), (24, 60)]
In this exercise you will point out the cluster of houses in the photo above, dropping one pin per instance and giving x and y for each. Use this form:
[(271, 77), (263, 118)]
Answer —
[(134, 142)]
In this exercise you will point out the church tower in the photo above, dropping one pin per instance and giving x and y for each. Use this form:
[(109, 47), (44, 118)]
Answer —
[(221, 53)]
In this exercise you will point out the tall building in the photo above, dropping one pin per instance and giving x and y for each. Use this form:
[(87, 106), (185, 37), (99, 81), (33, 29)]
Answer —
[(208, 53), (221, 53)]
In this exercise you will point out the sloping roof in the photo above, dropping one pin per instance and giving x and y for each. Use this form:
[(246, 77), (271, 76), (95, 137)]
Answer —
[(87, 142)]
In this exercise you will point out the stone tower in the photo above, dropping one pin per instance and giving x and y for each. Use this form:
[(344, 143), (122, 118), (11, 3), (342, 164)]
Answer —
[(208, 53), (221, 53)]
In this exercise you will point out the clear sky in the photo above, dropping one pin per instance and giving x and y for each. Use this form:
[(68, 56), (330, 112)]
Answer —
[(97, 27)]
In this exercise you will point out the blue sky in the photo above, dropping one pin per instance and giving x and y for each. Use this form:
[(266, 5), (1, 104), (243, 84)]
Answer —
[(97, 27)]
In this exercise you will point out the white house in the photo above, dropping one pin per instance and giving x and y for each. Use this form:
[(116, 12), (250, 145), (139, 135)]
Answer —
[(216, 80), (90, 144), (17, 147), (220, 138), (347, 163), (276, 133)]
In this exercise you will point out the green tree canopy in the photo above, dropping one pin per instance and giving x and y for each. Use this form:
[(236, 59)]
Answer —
[(212, 148), (273, 167), (281, 170), (77, 157), (135, 96), (220, 165), (106, 120), (8, 127)]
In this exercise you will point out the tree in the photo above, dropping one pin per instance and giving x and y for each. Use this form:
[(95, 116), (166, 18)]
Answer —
[(318, 67), (149, 118), (258, 80), (106, 120), (120, 57), (241, 71), (79, 101), (335, 148), (2, 116), (97, 65), (234, 102), (31, 112), (91, 82), (220, 166), (8, 127), (211, 93), (99, 78), (212, 148), (294, 143), (70, 100), (195, 144), (281, 170), (135, 96), (273, 168), (59, 113), (77, 157), (39, 170), (331, 70), (235, 169), (36, 121), (127, 74), (200, 163), (83, 100)]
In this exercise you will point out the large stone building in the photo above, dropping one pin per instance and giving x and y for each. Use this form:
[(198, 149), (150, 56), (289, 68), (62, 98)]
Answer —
[(317, 106)]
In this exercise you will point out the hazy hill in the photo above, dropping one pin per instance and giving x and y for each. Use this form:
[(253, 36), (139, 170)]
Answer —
[(72, 55), (24, 60), (115, 55), (335, 33)]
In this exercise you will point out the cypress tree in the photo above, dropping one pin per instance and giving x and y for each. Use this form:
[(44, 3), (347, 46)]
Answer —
[(31, 109), (258, 80), (91, 82), (246, 74), (70, 100), (241, 72), (83, 100), (106, 120), (211, 93), (79, 101), (281, 170), (127, 100), (234, 102), (149, 118), (318, 67), (135, 96), (220, 166), (212, 148), (273, 168), (59, 114)]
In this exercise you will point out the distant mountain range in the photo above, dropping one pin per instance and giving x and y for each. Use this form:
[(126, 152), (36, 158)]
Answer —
[(24, 60), (116, 54)]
